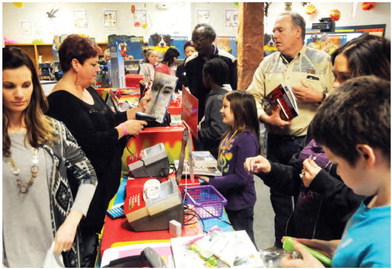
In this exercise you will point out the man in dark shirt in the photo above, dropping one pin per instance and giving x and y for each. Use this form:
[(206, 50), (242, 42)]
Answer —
[(203, 36)]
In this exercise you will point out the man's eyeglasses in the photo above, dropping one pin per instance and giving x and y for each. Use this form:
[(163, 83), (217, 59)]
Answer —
[(199, 39)]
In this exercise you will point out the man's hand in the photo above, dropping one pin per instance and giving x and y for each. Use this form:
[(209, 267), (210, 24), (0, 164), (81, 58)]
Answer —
[(306, 93), (274, 119), (257, 164)]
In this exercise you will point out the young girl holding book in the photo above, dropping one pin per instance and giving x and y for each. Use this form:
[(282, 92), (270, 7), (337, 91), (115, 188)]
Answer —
[(240, 142)]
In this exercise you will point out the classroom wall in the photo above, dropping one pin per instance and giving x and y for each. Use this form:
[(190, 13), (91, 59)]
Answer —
[(381, 14), (174, 18)]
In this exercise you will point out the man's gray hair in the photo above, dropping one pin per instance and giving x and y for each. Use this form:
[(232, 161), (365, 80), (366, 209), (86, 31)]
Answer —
[(297, 19)]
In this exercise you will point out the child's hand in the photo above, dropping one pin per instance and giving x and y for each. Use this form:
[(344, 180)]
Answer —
[(257, 164), (307, 261), (206, 179), (309, 171)]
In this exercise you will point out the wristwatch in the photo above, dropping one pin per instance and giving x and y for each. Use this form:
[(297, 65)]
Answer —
[(322, 99)]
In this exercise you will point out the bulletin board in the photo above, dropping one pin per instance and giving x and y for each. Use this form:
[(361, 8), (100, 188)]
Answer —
[(134, 44)]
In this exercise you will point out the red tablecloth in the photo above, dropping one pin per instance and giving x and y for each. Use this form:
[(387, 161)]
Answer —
[(117, 233)]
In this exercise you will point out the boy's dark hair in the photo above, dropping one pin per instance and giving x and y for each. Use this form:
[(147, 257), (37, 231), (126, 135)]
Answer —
[(76, 47), (188, 44), (169, 56), (243, 106), (376, 50), (358, 112), (218, 70)]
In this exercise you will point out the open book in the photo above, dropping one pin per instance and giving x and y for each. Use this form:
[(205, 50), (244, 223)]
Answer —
[(161, 94), (216, 250), (283, 97)]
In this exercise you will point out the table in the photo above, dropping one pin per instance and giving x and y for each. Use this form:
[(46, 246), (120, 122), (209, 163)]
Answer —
[(116, 233)]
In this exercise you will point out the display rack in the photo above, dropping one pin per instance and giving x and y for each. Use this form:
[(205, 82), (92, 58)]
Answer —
[(44, 50)]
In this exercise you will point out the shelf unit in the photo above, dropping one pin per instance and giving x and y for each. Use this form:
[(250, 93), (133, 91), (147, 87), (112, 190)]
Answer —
[(45, 50)]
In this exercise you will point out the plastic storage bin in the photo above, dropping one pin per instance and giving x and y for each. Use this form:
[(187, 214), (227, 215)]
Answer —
[(208, 202)]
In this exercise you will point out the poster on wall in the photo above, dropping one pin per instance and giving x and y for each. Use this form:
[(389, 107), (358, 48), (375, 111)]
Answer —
[(133, 45), (25, 27), (329, 42), (110, 19), (140, 18), (231, 18), (203, 16), (80, 18), (227, 43)]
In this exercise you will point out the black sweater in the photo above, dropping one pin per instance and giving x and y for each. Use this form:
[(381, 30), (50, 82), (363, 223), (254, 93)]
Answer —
[(322, 210), (93, 126)]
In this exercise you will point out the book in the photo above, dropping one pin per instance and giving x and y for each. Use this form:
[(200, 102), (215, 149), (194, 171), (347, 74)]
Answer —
[(204, 158), (216, 250), (161, 94), (199, 170), (283, 97)]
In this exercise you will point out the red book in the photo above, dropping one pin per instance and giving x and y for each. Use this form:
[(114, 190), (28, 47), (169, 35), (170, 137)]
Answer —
[(283, 97)]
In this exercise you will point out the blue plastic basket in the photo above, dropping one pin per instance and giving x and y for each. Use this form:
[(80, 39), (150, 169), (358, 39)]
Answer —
[(208, 202)]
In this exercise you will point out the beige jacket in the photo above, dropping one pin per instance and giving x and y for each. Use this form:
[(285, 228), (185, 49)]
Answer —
[(310, 66)]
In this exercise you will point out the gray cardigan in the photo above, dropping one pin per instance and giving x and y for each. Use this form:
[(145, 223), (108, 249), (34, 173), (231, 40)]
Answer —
[(70, 167)]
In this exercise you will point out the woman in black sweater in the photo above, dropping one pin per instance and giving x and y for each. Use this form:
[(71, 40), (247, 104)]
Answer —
[(100, 132)]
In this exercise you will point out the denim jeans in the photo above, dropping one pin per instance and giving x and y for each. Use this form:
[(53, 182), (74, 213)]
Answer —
[(243, 220)]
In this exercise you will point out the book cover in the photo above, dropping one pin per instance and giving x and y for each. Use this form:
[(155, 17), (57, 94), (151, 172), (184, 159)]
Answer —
[(161, 94), (283, 97), (203, 158)]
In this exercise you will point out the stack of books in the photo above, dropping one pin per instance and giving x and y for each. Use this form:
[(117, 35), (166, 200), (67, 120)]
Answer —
[(204, 164)]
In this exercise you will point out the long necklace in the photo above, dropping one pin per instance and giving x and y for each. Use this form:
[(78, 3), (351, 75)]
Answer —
[(226, 143), (24, 187)]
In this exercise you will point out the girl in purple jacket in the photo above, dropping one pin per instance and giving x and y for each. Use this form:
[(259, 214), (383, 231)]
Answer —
[(240, 142)]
